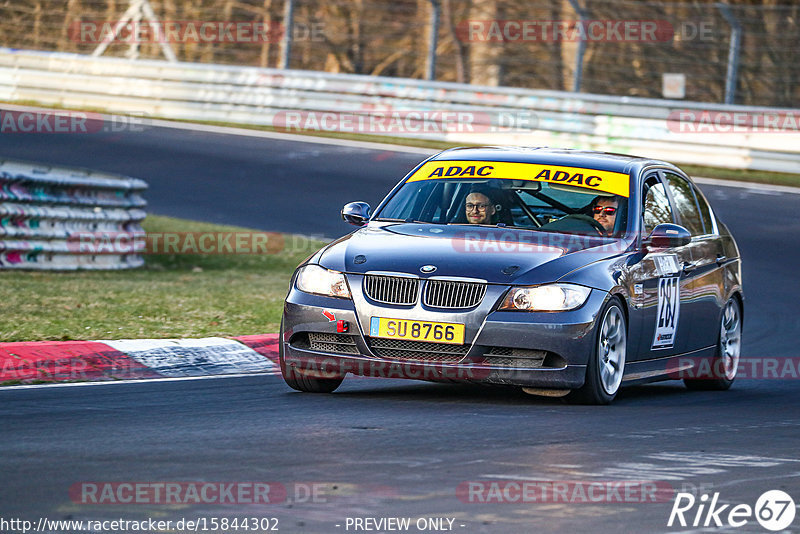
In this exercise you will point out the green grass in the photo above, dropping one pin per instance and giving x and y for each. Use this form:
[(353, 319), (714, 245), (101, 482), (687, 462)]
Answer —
[(172, 296)]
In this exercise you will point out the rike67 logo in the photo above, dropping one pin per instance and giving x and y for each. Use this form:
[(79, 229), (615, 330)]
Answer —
[(774, 510)]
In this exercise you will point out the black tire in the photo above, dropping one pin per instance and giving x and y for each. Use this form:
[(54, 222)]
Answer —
[(723, 375), (602, 387), (303, 381), (309, 384)]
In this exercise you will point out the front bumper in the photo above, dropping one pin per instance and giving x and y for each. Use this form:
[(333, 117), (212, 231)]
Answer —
[(565, 338)]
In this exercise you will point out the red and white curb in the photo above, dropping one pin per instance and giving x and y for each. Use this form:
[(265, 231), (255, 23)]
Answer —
[(124, 359)]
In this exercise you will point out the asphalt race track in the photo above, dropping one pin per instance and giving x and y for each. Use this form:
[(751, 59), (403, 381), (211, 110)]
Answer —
[(387, 448), (245, 181)]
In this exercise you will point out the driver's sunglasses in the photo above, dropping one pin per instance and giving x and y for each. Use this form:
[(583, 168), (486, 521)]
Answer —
[(608, 210), (479, 207)]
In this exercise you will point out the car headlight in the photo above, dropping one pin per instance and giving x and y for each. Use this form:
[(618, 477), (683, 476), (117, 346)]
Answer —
[(550, 297), (320, 281)]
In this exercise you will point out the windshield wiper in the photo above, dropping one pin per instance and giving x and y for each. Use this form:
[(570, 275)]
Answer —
[(409, 220), (498, 225)]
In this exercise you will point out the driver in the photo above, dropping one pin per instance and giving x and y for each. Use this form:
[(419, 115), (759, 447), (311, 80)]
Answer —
[(479, 207), (604, 211)]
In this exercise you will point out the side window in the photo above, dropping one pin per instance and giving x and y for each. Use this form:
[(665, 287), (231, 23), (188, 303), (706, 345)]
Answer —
[(685, 203), (705, 212), (656, 205)]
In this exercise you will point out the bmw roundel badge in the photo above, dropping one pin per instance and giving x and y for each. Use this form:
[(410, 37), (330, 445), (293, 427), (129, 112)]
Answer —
[(427, 268)]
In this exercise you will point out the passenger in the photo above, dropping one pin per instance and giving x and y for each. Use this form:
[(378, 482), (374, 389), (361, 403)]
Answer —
[(479, 207), (604, 211)]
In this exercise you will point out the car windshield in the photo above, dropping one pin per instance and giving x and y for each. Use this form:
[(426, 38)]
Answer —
[(533, 205)]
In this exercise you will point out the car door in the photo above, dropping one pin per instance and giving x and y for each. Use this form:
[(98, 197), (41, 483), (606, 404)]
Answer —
[(704, 275), (660, 286)]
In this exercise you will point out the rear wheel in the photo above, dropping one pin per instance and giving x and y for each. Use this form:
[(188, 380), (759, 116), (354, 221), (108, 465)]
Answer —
[(607, 364), (303, 380), (726, 360)]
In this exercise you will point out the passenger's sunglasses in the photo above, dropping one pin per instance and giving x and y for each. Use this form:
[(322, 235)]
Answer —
[(608, 210)]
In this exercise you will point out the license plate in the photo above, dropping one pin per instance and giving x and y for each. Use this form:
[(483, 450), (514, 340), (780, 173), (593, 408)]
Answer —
[(417, 330)]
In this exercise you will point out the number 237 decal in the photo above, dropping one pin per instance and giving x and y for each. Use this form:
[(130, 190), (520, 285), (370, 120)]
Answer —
[(669, 306)]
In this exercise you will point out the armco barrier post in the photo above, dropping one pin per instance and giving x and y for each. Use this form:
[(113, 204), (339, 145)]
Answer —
[(733, 52)]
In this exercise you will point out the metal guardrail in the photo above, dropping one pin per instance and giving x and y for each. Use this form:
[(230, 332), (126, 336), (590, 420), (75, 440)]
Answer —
[(249, 95), (58, 218)]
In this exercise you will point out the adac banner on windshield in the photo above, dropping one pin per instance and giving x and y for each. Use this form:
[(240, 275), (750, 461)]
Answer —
[(615, 183)]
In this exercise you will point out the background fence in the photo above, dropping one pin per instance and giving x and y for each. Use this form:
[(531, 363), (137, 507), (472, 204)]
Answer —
[(56, 218), (289, 99), (746, 51)]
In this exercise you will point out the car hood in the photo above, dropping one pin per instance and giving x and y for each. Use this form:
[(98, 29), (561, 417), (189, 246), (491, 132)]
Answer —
[(497, 255)]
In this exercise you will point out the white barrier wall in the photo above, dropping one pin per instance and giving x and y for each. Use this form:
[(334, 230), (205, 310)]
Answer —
[(58, 218), (683, 132)]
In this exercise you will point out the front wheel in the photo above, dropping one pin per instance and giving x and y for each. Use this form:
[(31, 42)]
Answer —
[(607, 364), (729, 346), (303, 380)]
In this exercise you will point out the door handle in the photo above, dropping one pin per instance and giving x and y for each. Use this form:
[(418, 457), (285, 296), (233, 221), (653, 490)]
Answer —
[(688, 266), (721, 258)]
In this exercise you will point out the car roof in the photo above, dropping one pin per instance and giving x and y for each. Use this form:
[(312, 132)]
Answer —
[(604, 161)]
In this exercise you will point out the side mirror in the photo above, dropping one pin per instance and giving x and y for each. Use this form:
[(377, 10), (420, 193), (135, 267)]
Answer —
[(356, 213), (667, 236)]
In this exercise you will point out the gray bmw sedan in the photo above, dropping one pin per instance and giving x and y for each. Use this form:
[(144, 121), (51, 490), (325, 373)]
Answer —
[(564, 272)]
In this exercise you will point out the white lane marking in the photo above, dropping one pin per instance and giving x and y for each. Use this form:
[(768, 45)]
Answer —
[(754, 187), (680, 466), (230, 130), (707, 429), (721, 460), (629, 471), (193, 357), (50, 385)]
